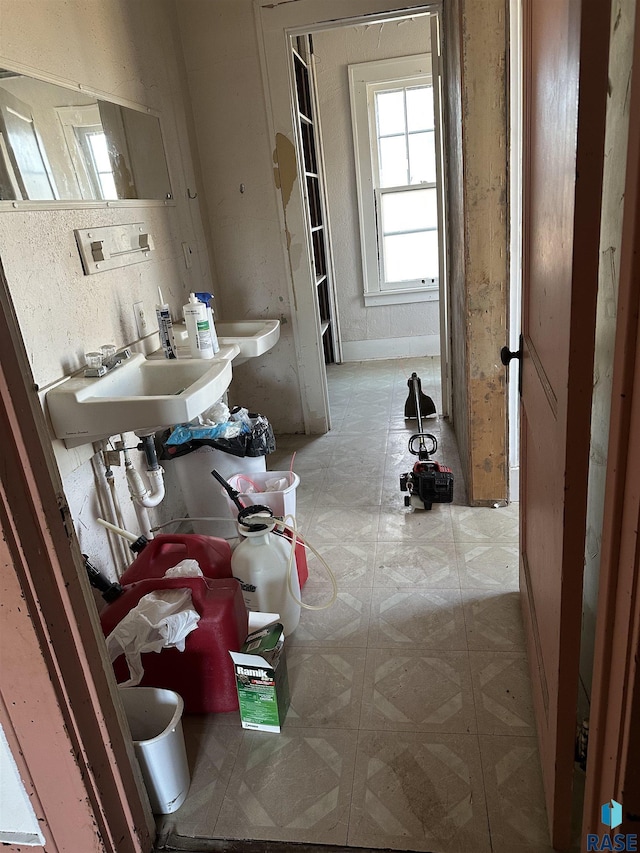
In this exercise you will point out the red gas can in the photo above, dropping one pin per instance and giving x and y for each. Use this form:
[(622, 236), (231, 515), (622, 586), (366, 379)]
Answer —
[(203, 673), (168, 549)]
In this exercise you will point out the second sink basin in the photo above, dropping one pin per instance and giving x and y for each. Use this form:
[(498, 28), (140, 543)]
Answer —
[(138, 394), (254, 337)]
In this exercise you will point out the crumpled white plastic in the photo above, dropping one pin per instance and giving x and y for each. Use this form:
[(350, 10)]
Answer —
[(160, 620), (216, 414), (185, 569), (276, 484)]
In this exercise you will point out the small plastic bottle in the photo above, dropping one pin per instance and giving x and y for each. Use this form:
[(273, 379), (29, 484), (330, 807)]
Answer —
[(198, 329)]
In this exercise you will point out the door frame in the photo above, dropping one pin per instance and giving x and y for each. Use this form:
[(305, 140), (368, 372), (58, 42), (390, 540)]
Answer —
[(275, 23), (515, 238), (79, 705)]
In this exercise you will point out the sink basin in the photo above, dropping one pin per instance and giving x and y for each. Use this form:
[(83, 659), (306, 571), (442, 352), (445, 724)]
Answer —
[(254, 337), (138, 394)]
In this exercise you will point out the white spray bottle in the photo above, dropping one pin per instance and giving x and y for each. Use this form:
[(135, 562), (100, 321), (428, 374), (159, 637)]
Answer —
[(196, 318), (206, 298), (165, 327)]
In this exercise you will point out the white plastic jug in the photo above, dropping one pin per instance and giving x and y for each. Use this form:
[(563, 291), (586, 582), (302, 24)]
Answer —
[(261, 562)]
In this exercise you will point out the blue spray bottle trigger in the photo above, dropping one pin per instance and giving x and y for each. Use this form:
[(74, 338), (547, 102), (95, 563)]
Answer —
[(205, 297)]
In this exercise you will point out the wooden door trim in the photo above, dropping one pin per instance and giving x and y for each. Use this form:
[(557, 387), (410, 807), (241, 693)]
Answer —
[(614, 746), (42, 553)]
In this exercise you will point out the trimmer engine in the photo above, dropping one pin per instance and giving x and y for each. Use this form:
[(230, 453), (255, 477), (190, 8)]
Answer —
[(429, 482)]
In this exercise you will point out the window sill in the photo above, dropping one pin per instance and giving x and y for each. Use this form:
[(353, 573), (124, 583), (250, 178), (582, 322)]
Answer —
[(401, 297)]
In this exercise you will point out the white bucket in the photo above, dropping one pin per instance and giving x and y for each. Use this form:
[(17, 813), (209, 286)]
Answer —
[(281, 503), (155, 720)]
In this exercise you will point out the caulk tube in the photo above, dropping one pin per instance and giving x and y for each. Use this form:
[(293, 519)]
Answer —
[(206, 299), (165, 327), (196, 318)]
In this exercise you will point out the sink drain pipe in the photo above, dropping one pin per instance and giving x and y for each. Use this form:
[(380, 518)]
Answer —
[(142, 497)]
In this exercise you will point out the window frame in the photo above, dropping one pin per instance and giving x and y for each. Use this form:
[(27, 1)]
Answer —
[(365, 79)]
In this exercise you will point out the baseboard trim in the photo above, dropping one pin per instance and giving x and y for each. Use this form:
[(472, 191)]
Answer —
[(410, 347)]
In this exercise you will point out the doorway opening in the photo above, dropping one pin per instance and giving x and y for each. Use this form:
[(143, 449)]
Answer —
[(340, 317)]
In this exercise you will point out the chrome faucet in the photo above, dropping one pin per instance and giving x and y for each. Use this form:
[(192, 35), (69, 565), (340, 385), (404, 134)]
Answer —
[(99, 364), (114, 360)]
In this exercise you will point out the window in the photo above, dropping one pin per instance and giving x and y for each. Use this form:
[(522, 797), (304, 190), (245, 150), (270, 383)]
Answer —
[(93, 142), (88, 151), (394, 125)]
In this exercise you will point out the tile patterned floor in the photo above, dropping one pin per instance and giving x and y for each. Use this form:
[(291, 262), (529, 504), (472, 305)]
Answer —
[(411, 724)]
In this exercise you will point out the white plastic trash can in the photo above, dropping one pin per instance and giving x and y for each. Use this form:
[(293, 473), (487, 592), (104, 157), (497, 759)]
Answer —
[(155, 720), (282, 502), (201, 490)]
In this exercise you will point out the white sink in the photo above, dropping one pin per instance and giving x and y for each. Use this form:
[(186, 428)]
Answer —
[(254, 337), (138, 394)]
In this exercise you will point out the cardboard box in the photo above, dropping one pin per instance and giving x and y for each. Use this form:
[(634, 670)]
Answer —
[(261, 675)]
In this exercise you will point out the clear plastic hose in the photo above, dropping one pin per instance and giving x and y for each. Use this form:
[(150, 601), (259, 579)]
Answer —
[(292, 565)]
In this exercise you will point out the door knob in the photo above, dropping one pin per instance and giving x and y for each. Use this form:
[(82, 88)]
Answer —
[(506, 355)]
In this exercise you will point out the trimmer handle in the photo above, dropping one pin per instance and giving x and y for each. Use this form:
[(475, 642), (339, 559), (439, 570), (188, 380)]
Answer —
[(427, 445)]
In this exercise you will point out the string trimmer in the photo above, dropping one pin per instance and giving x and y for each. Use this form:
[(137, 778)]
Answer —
[(429, 482)]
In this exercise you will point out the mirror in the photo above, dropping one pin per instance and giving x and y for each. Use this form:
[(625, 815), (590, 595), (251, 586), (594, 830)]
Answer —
[(59, 144)]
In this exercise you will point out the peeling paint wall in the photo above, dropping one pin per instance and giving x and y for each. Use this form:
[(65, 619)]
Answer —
[(126, 50), (478, 250), (240, 166), (334, 51), (620, 61)]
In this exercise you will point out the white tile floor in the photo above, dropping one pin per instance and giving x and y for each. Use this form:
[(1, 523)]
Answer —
[(410, 724)]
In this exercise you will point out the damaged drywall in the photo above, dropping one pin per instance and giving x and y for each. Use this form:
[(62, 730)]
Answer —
[(476, 129), (285, 172)]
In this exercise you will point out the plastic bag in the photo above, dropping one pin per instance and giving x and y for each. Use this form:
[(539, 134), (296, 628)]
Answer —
[(185, 569), (257, 441), (276, 484), (244, 434), (185, 433), (216, 414), (160, 620)]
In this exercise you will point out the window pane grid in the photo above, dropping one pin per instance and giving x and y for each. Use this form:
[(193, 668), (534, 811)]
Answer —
[(405, 134)]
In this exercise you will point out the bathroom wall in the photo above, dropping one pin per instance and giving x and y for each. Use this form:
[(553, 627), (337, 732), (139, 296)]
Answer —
[(408, 329), (127, 51), (227, 94)]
